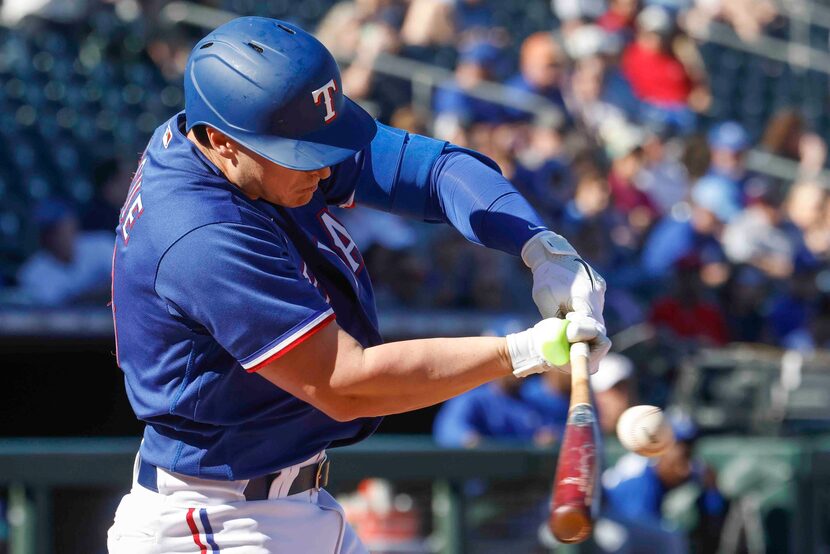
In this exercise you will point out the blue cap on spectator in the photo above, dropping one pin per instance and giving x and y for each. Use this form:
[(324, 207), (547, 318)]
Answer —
[(685, 430), (717, 195), (51, 211), (729, 135), (481, 53)]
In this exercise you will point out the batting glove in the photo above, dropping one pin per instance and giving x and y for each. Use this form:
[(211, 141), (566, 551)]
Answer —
[(549, 344), (562, 281)]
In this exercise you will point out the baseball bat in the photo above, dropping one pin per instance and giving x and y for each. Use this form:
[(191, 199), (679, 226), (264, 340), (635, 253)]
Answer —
[(571, 515)]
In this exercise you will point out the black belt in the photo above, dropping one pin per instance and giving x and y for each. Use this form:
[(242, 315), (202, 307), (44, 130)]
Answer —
[(314, 476)]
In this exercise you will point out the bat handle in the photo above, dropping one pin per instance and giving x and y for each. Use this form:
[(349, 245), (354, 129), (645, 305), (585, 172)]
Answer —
[(580, 385)]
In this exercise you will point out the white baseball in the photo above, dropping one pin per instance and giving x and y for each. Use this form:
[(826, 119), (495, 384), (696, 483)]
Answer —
[(644, 430)]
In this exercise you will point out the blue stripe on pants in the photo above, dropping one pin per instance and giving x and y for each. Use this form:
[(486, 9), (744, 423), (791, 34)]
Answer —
[(208, 531)]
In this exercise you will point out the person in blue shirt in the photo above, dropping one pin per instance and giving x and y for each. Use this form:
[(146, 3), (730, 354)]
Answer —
[(635, 488), (696, 231), (477, 62), (549, 395), (244, 315), (542, 70), (492, 412), (729, 144)]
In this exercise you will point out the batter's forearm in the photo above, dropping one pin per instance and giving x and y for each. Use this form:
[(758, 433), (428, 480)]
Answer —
[(407, 375)]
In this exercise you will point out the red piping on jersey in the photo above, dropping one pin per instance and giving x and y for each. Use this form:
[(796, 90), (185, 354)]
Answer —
[(195, 531), (112, 302), (297, 342)]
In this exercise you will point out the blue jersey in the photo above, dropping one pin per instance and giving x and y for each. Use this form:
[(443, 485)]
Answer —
[(208, 284)]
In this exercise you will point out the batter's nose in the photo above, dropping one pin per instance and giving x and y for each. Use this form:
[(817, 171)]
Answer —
[(324, 173)]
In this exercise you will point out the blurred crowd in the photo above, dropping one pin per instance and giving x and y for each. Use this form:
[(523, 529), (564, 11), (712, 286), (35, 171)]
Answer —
[(618, 150), (604, 124), (606, 117)]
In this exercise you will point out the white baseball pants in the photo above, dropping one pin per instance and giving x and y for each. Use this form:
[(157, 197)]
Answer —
[(201, 516)]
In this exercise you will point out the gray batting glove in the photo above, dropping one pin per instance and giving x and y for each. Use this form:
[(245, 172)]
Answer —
[(562, 281)]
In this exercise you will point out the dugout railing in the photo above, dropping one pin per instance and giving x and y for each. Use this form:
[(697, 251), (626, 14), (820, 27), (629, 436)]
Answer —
[(33, 469)]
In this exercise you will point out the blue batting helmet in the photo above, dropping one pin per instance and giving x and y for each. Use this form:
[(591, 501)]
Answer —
[(276, 90)]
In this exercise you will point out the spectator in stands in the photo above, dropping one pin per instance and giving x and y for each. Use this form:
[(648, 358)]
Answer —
[(589, 220), (574, 13), (663, 177), (450, 272), (793, 309), (761, 237), (494, 411), (453, 105), (542, 169), (806, 206), (613, 390), (473, 16), (340, 29), (728, 146), (111, 181), (71, 267), (542, 68), (747, 17), (549, 395), (636, 489), (786, 136), (620, 17), (429, 22), (409, 119), (598, 95), (745, 299), (687, 316), (379, 93), (659, 78), (624, 145), (694, 230)]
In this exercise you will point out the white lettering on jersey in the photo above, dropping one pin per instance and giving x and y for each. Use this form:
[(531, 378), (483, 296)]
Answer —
[(132, 214), (325, 94), (342, 241), (133, 207), (322, 246)]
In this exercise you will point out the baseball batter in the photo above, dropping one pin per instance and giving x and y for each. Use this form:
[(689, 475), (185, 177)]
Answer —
[(245, 318)]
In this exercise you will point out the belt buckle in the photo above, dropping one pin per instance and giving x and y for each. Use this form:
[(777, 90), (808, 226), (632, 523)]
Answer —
[(322, 477)]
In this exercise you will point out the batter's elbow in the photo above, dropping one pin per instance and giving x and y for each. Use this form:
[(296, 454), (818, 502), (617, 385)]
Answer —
[(343, 408)]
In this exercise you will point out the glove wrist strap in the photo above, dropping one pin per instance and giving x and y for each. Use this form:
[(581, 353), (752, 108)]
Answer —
[(543, 245), (520, 348)]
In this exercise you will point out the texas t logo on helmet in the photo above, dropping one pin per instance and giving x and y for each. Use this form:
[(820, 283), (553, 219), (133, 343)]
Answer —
[(325, 94)]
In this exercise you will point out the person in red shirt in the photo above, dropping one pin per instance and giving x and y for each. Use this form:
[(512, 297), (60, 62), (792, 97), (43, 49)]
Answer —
[(658, 77)]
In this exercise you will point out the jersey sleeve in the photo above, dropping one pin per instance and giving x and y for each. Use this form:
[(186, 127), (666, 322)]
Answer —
[(241, 284), (434, 181)]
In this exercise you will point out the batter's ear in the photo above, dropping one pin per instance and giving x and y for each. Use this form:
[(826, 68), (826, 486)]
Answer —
[(222, 143)]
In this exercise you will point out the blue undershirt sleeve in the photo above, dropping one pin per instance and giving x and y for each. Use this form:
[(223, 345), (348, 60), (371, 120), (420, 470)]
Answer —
[(434, 181)]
